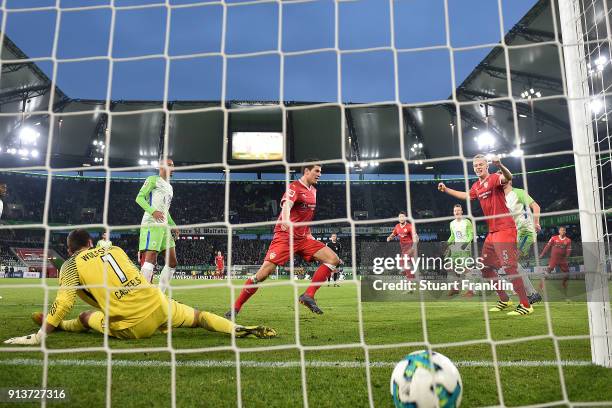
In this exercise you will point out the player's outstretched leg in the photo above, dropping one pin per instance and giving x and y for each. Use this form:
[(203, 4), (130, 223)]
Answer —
[(212, 322), (250, 287), (329, 261)]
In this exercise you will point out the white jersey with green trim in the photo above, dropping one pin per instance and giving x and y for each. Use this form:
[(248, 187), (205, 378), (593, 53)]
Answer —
[(459, 229), (104, 243), (516, 201), (159, 195)]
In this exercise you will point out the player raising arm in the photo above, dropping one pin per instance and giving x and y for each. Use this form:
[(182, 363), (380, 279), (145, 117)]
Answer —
[(155, 197), (297, 206), (107, 277), (499, 248)]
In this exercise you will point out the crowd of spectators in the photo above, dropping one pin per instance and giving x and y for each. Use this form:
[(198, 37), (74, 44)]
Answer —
[(80, 200)]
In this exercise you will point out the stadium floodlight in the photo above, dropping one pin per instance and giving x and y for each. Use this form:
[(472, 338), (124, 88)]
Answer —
[(154, 163), (142, 162), (597, 106), (95, 142), (485, 140), (34, 153), (600, 62), (518, 152), (11, 151), (27, 135), (420, 145), (23, 152)]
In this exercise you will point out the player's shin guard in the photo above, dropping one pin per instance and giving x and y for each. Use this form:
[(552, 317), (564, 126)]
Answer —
[(247, 291), (319, 277), (212, 322), (164, 278), (147, 271), (72, 325), (489, 273)]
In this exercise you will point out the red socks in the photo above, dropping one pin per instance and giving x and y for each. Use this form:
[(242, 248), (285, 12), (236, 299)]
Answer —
[(491, 274), (319, 277), (246, 292), (517, 283)]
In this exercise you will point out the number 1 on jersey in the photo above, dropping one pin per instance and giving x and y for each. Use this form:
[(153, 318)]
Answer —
[(113, 263)]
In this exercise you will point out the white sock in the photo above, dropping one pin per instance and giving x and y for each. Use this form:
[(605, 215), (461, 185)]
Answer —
[(164, 278), (526, 281), (147, 270)]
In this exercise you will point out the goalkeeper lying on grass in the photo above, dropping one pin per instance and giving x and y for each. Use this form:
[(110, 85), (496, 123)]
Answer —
[(106, 279)]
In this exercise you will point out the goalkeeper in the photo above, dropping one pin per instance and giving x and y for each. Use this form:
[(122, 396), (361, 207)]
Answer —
[(106, 279)]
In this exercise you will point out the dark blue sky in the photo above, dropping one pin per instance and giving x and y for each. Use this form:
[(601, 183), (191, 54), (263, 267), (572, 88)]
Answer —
[(365, 77)]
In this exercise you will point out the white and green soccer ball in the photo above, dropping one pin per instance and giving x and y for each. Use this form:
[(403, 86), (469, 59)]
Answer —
[(423, 380)]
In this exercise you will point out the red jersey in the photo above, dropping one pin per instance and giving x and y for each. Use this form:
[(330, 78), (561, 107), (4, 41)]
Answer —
[(490, 194), (304, 203), (219, 261), (404, 232), (561, 247)]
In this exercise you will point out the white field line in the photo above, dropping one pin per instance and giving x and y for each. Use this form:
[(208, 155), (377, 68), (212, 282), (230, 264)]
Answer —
[(274, 364)]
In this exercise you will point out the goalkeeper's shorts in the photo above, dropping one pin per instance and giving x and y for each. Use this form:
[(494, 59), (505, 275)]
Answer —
[(182, 316)]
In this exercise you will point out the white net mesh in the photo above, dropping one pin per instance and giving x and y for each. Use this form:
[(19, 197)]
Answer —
[(515, 86)]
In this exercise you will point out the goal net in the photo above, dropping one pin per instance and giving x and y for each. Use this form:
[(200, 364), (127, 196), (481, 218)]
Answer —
[(390, 98)]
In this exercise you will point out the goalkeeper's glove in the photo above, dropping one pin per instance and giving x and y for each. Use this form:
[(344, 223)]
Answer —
[(29, 340)]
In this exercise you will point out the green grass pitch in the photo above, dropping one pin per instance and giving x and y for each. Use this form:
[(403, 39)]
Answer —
[(334, 377)]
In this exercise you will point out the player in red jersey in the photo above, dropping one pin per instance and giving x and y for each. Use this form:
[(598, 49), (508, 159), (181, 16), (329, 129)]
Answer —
[(561, 247), (297, 206), (408, 239), (219, 263), (499, 248)]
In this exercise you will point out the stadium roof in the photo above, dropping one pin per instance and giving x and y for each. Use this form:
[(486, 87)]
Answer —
[(430, 129)]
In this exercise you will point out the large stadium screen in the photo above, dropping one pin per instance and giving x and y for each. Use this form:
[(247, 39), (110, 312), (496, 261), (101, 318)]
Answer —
[(257, 145)]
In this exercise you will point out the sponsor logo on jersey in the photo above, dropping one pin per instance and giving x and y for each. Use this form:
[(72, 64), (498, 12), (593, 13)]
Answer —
[(272, 255), (290, 193)]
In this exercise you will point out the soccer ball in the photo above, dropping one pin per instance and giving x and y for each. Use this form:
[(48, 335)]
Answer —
[(422, 380)]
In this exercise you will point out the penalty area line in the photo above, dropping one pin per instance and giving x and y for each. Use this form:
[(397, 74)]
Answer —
[(275, 364)]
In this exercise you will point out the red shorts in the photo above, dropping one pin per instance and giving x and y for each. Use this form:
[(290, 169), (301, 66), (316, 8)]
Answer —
[(560, 262), (499, 249), (279, 251)]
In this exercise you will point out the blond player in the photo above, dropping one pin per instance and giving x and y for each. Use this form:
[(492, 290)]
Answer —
[(110, 282)]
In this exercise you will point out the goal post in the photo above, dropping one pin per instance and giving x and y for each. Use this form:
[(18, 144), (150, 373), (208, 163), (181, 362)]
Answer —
[(588, 182)]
